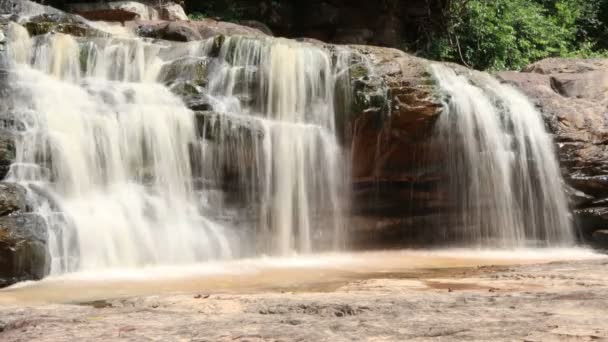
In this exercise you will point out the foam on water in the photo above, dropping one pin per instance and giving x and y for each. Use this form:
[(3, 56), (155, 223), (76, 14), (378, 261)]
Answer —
[(389, 261)]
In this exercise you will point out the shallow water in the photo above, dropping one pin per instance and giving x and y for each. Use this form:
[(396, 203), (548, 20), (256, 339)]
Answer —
[(321, 273)]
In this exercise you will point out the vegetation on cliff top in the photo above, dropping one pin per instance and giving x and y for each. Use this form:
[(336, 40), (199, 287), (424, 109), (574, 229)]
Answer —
[(510, 34), (483, 34), (486, 34)]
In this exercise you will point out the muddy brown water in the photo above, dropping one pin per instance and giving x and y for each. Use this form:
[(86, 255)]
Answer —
[(311, 273)]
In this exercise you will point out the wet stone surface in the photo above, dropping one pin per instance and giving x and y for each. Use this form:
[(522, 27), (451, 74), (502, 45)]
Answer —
[(560, 301)]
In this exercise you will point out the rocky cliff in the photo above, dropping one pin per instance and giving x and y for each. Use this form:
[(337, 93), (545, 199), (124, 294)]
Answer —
[(572, 95), (388, 107), (390, 23)]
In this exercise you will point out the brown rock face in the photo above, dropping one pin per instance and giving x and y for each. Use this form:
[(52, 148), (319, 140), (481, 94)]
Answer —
[(122, 11), (189, 30), (23, 248), (395, 162), (573, 96)]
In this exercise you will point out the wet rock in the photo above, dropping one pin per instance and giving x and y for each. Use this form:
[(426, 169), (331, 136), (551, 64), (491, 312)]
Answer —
[(193, 69), (12, 198), (18, 9), (114, 10), (216, 126), (542, 302), (572, 95), (122, 11), (232, 146), (190, 30), (23, 248), (172, 11), (60, 23), (600, 239), (7, 152), (39, 19), (396, 167)]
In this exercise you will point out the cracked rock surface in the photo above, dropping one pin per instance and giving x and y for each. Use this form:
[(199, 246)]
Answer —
[(560, 301)]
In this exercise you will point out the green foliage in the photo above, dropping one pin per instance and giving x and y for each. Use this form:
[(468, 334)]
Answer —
[(510, 34), (227, 10)]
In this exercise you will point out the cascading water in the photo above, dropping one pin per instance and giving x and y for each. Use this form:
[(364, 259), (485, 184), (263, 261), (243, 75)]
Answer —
[(111, 149), (112, 157), (126, 174), (289, 88), (504, 179)]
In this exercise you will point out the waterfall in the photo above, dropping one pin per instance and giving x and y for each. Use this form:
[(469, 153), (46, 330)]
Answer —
[(298, 159), (139, 152), (503, 177), (124, 174)]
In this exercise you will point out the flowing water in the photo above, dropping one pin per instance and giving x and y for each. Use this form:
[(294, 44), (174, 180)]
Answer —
[(503, 175), (117, 166), (289, 88), (126, 174), (311, 273)]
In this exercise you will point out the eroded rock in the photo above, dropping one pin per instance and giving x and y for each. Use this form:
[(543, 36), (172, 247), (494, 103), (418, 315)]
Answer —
[(396, 165), (122, 11), (572, 95), (12, 199), (23, 248), (61, 23), (190, 30), (114, 10)]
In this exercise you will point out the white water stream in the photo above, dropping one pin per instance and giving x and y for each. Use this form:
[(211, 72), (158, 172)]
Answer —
[(503, 173), (125, 175), (107, 152)]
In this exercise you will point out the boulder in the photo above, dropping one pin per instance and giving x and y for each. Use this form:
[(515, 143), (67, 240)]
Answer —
[(121, 11), (600, 239), (23, 9), (114, 10), (172, 12), (61, 23), (39, 19), (190, 30), (24, 251), (12, 199), (572, 94)]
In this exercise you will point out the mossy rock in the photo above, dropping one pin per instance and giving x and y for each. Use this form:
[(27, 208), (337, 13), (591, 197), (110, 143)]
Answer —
[(370, 93), (218, 42), (215, 126), (7, 152), (24, 251), (66, 24), (77, 30), (185, 89), (190, 69)]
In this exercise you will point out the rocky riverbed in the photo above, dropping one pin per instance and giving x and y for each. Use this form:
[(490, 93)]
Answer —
[(493, 301)]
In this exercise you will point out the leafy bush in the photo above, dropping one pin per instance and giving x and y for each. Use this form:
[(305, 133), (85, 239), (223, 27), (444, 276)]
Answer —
[(225, 10), (510, 34)]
